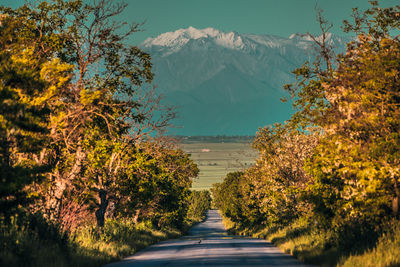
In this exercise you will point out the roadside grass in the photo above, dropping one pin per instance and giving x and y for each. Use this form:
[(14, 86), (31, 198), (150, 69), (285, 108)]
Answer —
[(30, 240), (386, 252), (306, 243), (27, 240), (229, 225), (119, 239), (314, 246), (27, 244)]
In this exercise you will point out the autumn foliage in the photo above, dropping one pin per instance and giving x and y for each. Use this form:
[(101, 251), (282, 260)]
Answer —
[(336, 163), (81, 128)]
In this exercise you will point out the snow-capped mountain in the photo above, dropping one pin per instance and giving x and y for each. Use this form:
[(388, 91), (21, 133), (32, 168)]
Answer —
[(226, 82)]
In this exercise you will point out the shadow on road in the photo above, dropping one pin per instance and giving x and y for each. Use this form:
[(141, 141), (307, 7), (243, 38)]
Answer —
[(208, 244)]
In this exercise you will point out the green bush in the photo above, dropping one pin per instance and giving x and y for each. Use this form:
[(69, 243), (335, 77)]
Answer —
[(200, 202), (119, 238), (30, 240), (385, 253)]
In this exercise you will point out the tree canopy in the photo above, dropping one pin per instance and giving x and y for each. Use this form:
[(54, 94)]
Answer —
[(79, 118), (335, 163)]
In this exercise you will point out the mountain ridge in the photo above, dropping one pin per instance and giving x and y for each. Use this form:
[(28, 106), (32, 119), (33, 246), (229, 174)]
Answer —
[(217, 78)]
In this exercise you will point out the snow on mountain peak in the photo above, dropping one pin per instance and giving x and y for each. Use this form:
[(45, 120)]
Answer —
[(305, 40), (230, 40), (180, 37), (207, 32), (177, 39), (307, 37), (171, 42)]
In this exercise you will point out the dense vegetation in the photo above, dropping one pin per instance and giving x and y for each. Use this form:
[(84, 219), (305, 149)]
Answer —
[(86, 176), (200, 202), (326, 184)]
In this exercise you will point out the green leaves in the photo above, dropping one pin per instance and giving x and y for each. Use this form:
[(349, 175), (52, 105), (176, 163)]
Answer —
[(337, 160), (199, 203), (76, 106), (28, 81), (153, 183)]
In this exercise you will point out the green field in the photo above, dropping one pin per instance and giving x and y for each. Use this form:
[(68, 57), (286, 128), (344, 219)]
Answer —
[(216, 159)]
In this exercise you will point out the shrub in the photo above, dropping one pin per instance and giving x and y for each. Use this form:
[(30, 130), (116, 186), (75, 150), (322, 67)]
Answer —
[(200, 202)]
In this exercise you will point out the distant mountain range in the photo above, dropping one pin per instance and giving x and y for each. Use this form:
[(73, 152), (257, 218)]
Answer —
[(226, 83)]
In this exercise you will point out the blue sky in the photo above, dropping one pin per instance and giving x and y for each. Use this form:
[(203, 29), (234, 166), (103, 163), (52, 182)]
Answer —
[(277, 17)]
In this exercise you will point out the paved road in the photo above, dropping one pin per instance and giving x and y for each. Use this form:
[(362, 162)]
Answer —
[(208, 244)]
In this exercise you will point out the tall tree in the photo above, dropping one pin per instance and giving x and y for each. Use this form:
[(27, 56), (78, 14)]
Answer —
[(154, 183), (29, 79), (106, 106), (356, 164)]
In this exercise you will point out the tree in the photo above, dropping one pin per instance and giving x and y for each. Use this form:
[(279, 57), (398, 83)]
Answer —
[(355, 167), (228, 196), (29, 79), (281, 175), (104, 105), (200, 202), (154, 183), (362, 127), (308, 91)]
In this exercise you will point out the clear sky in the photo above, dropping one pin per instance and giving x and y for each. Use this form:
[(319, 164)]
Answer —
[(277, 17)]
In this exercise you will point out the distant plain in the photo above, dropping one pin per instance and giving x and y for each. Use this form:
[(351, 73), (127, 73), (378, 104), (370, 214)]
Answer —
[(216, 159)]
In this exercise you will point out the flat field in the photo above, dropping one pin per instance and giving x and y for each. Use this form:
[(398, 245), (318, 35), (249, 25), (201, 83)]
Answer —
[(216, 159)]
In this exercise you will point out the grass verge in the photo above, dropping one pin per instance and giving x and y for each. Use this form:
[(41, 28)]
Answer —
[(314, 246), (26, 242), (385, 253)]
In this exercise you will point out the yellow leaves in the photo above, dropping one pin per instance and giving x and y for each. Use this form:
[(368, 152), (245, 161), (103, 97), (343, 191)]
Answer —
[(56, 72), (58, 119), (386, 43), (2, 17), (3, 122), (89, 96), (57, 75), (23, 97), (25, 58), (364, 38)]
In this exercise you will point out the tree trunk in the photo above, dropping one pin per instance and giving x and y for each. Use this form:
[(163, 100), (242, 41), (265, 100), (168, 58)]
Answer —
[(101, 211), (395, 205), (136, 218), (396, 198), (76, 168)]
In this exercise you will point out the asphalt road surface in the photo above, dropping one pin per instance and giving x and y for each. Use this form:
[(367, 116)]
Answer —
[(208, 244)]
